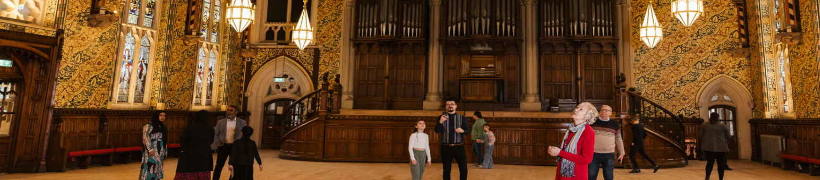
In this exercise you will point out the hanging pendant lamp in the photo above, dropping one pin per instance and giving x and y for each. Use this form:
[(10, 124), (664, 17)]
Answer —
[(303, 33), (651, 31), (687, 11)]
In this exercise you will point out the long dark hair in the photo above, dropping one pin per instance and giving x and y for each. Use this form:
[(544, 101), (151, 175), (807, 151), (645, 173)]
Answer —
[(158, 127), (247, 131), (714, 117), (199, 118)]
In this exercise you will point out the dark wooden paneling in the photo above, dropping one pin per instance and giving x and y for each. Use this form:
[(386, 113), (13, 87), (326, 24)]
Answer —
[(384, 139), (91, 129), (407, 76), (390, 75), (802, 136), (370, 77), (558, 66)]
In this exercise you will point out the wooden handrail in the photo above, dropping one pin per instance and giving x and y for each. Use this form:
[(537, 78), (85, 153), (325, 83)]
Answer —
[(658, 120)]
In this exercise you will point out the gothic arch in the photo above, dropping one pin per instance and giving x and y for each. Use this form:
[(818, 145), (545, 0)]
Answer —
[(740, 98), (258, 91)]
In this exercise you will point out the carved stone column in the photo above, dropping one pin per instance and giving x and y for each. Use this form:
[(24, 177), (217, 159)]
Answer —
[(531, 101), (433, 100), (347, 63)]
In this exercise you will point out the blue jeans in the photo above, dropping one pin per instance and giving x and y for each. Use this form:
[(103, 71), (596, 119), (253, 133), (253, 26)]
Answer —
[(478, 152), (602, 160)]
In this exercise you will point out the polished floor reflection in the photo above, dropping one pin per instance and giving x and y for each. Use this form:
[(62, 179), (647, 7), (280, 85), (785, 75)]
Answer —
[(275, 168)]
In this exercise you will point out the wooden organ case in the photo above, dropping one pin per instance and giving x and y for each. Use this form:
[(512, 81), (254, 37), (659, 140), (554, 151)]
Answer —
[(482, 53), (390, 41), (578, 46)]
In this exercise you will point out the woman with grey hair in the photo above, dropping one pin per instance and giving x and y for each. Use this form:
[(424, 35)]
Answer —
[(577, 146)]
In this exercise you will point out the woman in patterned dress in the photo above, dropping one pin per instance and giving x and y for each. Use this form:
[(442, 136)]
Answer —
[(154, 139)]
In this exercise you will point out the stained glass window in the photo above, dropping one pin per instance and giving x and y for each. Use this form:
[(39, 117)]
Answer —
[(150, 10), (137, 52), (125, 68), (142, 69), (134, 11), (781, 64), (211, 72), (200, 76)]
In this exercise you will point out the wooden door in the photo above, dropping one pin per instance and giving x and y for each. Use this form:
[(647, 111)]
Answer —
[(406, 77), (558, 87), (274, 117), (597, 73), (370, 87), (390, 77), (728, 117)]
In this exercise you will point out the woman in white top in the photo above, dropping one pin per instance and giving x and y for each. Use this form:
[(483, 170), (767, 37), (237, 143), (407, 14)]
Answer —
[(419, 148)]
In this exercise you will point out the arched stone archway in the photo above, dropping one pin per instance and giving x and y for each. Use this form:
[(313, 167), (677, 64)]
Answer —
[(280, 78), (730, 92)]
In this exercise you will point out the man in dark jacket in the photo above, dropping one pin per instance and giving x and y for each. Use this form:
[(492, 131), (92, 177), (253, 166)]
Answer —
[(638, 135), (451, 127)]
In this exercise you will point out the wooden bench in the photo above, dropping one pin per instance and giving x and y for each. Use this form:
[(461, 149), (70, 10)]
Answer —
[(790, 161)]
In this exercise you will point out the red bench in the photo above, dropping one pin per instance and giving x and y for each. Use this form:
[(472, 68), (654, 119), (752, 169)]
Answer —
[(95, 152), (789, 161)]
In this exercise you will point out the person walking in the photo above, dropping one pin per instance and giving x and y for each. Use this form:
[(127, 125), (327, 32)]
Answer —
[(226, 131), (714, 138), (195, 159)]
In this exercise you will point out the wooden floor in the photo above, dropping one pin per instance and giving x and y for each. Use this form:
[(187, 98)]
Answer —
[(276, 168)]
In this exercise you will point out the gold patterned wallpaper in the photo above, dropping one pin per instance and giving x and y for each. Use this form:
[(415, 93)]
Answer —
[(673, 72), (86, 71), (805, 65)]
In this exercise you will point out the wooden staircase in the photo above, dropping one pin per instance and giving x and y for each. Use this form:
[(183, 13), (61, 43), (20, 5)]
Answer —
[(666, 132)]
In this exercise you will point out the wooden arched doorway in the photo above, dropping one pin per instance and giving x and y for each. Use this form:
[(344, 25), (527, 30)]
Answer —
[(28, 68), (10, 79), (274, 118)]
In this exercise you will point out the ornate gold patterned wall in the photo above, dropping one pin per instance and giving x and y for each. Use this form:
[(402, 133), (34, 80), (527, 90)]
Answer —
[(673, 72), (805, 64), (86, 69)]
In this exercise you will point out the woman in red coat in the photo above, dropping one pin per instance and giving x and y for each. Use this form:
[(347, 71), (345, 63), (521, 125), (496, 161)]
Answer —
[(578, 145)]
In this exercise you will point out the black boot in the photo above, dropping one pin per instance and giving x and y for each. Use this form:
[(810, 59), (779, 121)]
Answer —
[(635, 171), (655, 168)]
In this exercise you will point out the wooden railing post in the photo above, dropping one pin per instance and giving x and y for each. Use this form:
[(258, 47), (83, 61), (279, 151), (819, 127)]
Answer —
[(323, 95)]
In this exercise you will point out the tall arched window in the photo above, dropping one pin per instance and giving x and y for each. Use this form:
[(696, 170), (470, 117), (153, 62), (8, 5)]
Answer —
[(208, 58), (136, 55)]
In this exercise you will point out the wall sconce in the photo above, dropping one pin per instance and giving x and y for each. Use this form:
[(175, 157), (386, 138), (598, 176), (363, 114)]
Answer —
[(99, 17)]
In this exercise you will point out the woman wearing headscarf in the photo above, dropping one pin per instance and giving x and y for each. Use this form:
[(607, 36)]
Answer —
[(195, 160), (577, 146), (154, 139)]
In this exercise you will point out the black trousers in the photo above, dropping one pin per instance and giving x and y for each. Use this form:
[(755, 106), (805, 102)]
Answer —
[(242, 172), (639, 149), (221, 156), (711, 157), (447, 155)]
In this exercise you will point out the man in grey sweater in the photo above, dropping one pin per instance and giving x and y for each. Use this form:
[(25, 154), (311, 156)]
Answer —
[(714, 142)]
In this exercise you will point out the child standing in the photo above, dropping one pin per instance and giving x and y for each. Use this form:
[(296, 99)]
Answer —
[(419, 148), (242, 155), (489, 138)]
